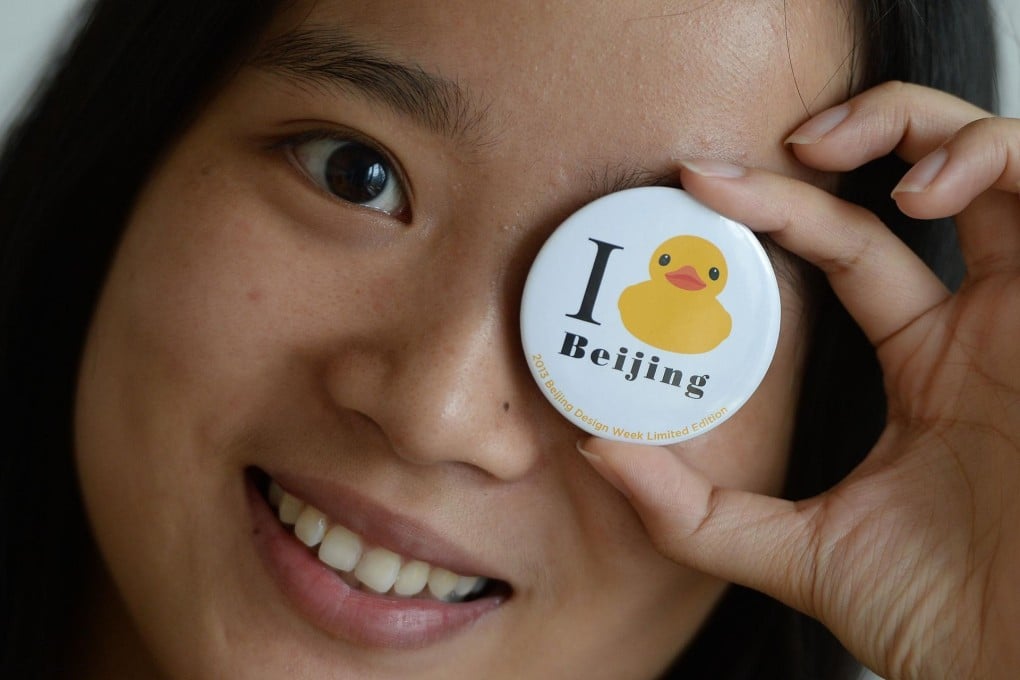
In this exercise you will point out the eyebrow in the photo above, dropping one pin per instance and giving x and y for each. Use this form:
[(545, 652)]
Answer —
[(330, 57)]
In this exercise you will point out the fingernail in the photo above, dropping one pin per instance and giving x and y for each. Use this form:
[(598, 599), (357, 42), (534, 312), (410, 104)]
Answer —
[(923, 174), (604, 470), (819, 126), (713, 168)]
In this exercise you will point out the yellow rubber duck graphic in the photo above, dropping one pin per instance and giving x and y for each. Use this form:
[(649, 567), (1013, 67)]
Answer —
[(676, 310)]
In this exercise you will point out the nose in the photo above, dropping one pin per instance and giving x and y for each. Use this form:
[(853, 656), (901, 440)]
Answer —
[(443, 375)]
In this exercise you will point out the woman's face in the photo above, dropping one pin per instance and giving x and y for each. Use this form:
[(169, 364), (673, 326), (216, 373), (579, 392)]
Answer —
[(320, 285)]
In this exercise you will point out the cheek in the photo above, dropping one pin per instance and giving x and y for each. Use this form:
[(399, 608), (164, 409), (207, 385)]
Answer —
[(209, 290), (185, 334), (156, 351), (178, 311)]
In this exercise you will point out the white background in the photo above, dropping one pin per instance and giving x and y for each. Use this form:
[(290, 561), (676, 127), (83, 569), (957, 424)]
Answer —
[(29, 29)]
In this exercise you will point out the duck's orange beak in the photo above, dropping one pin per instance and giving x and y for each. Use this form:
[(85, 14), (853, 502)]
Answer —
[(686, 277)]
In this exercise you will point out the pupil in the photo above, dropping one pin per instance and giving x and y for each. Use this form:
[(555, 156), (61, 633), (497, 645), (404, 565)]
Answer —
[(356, 173), (664, 260), (713, 273)]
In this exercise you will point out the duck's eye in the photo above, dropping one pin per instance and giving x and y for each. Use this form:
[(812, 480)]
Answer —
[(713, 273), (664, 259), (352, 171)]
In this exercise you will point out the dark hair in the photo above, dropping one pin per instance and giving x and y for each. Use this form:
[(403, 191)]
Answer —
[(130, 82), (135, 74)]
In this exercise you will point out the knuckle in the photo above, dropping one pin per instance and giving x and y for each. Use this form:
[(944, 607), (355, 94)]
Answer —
[(992, 142), (991, 127), (892, 88), (856, 239), (898, 95), (841, 263)]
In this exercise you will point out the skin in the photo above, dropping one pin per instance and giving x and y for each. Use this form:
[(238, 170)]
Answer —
[(912, 559), (249, 318)]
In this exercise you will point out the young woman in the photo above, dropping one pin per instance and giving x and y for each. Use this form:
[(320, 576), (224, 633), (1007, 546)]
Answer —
[(264, 263)]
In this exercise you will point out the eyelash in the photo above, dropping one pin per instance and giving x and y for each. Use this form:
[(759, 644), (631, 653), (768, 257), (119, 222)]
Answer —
[(374, 166)]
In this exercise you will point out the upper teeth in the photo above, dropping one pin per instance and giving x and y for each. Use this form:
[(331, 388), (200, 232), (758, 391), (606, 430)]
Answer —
[(379, 569)]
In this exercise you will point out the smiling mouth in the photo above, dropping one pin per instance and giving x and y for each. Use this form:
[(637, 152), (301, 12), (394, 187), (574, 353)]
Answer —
[(373, 569)]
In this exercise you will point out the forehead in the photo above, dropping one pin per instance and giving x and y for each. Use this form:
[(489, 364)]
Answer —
[(666, 77)]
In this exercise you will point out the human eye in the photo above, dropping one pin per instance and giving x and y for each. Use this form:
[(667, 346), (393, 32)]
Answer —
[(351, 170)]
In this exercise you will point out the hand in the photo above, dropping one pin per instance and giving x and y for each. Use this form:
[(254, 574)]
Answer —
[(913, 560)]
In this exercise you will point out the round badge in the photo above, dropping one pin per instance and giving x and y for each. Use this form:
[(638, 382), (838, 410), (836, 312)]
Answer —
[(648, 317)]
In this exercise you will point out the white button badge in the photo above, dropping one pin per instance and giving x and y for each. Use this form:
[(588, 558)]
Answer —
[(647, 317)]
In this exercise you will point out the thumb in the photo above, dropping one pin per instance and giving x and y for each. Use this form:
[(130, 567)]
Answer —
[(764, 543)]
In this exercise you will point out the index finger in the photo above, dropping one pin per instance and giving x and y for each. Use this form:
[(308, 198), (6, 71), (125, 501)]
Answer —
[(910, 120), (880, 281)]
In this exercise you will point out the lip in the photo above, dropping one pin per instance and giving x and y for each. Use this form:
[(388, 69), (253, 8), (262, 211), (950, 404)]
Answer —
[(323, 598), (686, 278)]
